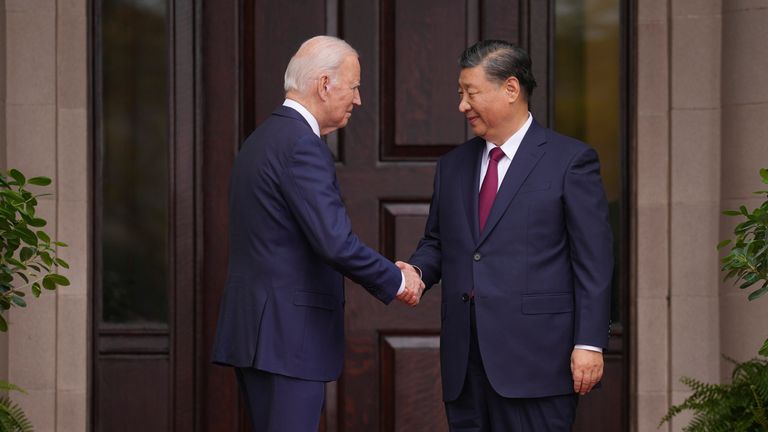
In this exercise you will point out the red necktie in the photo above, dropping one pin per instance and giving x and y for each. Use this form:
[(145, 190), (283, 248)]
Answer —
[(489, 187)]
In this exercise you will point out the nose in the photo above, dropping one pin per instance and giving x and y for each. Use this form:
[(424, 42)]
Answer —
[(357, 100), (464, 105)]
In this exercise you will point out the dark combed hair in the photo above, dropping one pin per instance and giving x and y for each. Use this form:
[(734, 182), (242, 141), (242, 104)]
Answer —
[(501, 60)]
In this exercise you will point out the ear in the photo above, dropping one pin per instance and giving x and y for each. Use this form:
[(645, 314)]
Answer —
[(323, 85), (512, 88)]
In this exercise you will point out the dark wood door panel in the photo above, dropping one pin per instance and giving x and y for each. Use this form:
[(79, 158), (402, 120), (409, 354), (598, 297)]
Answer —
[(419, 44), (385, 167), (132, 385), (411, 394)]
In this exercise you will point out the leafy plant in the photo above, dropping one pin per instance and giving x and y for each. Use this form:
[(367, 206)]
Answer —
[(741, 405), (27, 253), (27, 260), (12, 418), (736, 407), (748, 259)]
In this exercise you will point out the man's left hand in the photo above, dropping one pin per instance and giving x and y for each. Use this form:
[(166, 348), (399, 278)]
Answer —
[(587, 369)]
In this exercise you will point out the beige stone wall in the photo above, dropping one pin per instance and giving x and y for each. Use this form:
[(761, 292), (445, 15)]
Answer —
[(45, 43), (702, 135), (745, 150), (3, 336), (650, 288)]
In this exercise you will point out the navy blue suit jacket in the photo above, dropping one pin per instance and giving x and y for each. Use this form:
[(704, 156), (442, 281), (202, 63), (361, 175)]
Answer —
[(291, 243), (540, 270)]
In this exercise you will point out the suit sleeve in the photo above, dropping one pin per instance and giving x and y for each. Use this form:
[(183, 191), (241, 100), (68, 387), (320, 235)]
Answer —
[(428, 254), (591, 245), (309, 187)]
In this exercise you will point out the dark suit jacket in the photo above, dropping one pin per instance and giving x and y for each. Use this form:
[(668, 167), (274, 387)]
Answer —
[(290, 245), (541, 269)]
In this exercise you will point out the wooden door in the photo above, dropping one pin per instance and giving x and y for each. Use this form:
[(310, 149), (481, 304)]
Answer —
[(385, 164)]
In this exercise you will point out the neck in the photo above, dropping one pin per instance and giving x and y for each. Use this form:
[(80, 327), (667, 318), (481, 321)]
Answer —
[(516, 121), (307, 103)]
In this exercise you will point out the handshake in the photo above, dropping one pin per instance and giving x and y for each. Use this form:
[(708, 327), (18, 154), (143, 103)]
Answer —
[(414, 287)]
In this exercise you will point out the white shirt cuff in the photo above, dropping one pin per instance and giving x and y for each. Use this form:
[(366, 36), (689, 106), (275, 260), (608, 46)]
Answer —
[(402, 283), (588, 348)]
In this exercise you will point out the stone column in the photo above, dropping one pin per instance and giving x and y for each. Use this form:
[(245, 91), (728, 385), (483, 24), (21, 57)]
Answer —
[(650, 290), (745, 151), (47, 134)]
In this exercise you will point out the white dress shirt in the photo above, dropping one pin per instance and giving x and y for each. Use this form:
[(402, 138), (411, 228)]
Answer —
[(290, 103), (510, 149)]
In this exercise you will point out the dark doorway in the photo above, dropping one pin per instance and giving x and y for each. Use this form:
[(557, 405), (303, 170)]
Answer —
[(222, 65)]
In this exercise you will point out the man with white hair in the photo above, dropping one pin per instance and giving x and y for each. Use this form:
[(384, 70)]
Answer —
[(281, 323)]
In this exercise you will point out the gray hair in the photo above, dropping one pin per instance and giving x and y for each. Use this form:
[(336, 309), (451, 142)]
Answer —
[(501, 60), (315, 57)]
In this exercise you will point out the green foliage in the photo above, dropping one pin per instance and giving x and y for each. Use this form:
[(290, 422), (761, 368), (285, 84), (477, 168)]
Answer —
[(27, 253), (736, 407), (747, 262), (742, 405), (12, 418)]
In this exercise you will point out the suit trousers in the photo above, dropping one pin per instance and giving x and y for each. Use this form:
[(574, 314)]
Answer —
[(479, 408), (278, 403)]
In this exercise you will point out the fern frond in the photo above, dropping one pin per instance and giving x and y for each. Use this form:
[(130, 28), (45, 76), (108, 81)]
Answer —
[(735, 407), (12, 418)]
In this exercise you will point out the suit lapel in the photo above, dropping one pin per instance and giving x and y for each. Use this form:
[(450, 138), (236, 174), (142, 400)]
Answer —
[(469, 181), (525, 160)]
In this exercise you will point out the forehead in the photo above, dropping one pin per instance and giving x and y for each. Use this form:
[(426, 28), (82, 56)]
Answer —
[(350, 68), (473, 77)]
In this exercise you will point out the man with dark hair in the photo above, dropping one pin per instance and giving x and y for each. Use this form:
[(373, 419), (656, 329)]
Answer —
[(518, 233)]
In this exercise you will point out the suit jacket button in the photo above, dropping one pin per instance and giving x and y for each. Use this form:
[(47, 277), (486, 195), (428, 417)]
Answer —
[(477, 257), (465, 297)]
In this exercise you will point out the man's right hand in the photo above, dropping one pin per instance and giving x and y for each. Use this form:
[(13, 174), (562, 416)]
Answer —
[(414, 287)]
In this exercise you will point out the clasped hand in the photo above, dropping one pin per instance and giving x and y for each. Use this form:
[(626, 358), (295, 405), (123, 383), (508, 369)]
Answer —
[(414, 287)]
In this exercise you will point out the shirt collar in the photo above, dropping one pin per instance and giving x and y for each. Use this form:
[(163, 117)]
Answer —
[(510, 146), (290, 103)]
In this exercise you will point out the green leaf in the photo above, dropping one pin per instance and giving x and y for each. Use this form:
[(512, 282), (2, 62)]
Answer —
[(758, 293), (26, 253), (58, 279), (40, 181), (750, 280), (37, 222), (744, 211), (732, 213), (18, 301), (18, 176), (764, 349), (26, 235), (764, 174), (43, 237), (723, 243), (50, 281), (46, 257), (48, 284), (62, 244), (3, 324), (11, 196), (62, 263), (36, 289), (23, 276), (6, 386), (15, 263)]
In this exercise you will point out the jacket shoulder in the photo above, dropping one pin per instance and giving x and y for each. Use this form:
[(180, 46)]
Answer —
[(468, 149), (564, 143)]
